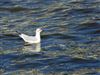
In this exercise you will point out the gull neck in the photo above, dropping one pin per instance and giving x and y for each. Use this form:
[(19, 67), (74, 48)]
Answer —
[(37, 35)]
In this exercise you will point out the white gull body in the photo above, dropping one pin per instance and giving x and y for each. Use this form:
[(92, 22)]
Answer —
[(32, 39)]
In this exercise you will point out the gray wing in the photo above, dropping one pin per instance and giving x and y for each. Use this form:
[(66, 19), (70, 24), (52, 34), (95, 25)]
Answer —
[(27, 38)]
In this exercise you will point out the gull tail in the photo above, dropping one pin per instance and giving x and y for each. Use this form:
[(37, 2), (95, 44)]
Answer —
[(19, 33)]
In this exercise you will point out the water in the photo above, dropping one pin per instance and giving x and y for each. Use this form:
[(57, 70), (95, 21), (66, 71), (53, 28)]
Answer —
[(70, 40)]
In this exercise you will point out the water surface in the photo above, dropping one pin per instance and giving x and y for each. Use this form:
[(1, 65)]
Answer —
[(70, 40)]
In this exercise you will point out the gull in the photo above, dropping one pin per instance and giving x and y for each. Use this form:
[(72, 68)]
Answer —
[(31, 39)]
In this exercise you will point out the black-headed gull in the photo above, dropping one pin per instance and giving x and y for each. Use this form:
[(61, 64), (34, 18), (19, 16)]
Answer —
[(32, 39)]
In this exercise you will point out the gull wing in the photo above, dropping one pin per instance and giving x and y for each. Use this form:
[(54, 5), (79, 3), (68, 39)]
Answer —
[(29, 39)]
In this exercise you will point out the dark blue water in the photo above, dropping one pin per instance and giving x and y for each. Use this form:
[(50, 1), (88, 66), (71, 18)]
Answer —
[(70, 40)]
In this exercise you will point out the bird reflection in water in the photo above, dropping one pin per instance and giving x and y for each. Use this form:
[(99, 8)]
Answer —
[(32, 48)]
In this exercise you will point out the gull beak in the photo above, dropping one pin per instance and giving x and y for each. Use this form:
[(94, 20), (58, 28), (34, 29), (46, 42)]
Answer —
[(41, 29)]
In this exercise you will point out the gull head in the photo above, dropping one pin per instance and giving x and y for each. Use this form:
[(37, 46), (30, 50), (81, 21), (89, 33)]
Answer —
[(38, 30)]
